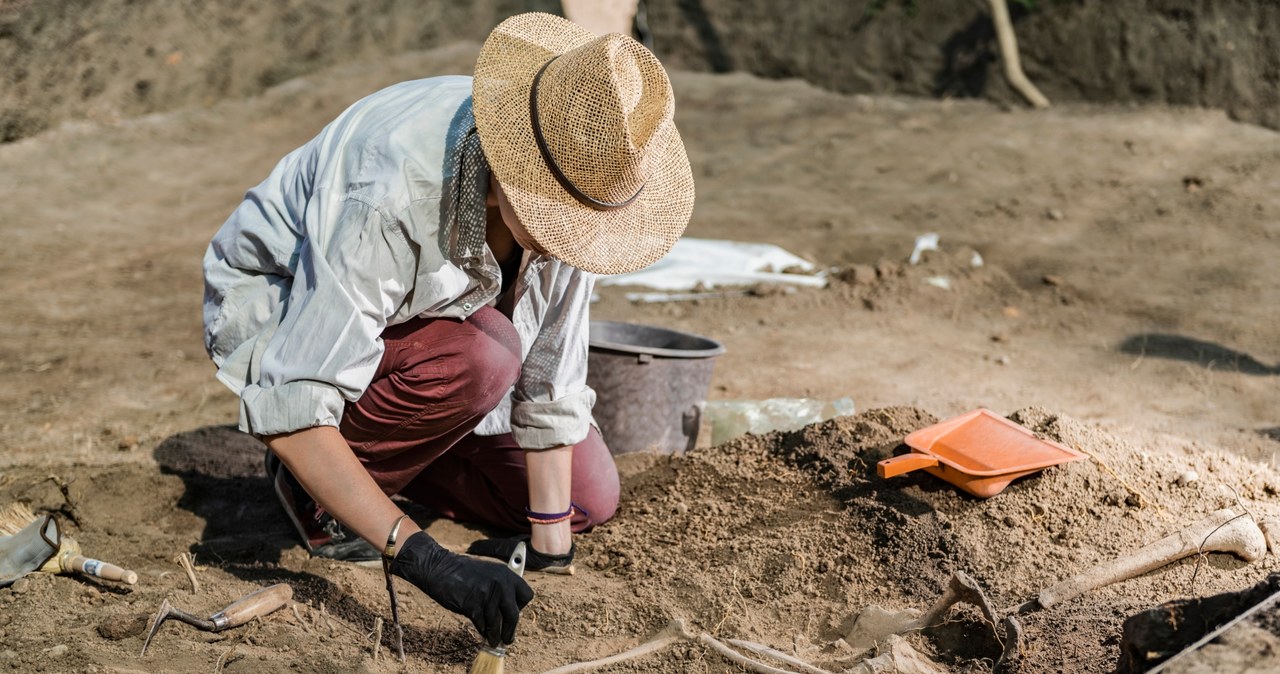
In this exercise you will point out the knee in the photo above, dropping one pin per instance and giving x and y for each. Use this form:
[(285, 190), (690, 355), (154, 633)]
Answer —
[(599, 506), (492, 365), (596, 488)]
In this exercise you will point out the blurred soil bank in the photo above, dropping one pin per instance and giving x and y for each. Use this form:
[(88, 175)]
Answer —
[(121, 58)]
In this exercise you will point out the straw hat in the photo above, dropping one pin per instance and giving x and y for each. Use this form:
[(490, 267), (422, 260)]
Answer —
[(579, 131)]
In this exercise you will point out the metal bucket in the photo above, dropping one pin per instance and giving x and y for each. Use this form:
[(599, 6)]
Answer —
[(651, 384)]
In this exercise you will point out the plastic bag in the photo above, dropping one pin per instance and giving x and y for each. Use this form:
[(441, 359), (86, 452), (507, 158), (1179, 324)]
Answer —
[(730, 418)]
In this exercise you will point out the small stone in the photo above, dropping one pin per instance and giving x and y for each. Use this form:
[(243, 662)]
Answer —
[(1187, 477), (20, 585), (1051, 280), (1010, 522), (1012, 312), (1055, 214), (126, 443), (118, 627), (58, 651), (681, 509), (1002, 360), (862, 274), (887, 269)]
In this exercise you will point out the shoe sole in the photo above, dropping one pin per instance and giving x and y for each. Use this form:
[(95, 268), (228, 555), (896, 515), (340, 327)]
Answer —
[(275, 473)]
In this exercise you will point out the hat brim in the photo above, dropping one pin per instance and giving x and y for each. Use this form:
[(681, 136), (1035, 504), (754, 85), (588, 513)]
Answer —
[(598, 241)]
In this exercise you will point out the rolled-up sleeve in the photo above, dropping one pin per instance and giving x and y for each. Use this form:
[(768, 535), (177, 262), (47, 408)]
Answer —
[(551, 404), (348, 280)]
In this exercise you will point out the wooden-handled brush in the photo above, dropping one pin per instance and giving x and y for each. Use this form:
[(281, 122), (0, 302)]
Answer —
[(492, 659), (15, 517)]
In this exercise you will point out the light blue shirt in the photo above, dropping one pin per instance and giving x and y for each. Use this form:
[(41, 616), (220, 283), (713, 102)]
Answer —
[(349, 234)]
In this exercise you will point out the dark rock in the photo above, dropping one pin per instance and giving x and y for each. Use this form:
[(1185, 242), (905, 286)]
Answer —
[(119, 627)]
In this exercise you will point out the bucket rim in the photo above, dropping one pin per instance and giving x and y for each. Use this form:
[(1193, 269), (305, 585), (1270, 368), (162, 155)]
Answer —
[(713, 347)]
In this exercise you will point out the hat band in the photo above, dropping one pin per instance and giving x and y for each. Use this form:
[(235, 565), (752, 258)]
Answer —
[(579, 195)]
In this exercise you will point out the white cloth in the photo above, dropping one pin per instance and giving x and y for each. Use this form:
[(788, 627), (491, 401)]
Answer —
[(355, 231), (712, 263)]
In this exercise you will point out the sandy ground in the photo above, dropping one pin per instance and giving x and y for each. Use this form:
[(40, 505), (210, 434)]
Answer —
[(1128, 289)]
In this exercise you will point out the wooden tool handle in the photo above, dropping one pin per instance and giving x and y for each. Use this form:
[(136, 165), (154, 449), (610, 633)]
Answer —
[(906, 463), (100, 569), (255, 605)]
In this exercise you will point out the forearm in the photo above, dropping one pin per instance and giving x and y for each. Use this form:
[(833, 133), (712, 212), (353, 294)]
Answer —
[(323, 463), (550, 474)]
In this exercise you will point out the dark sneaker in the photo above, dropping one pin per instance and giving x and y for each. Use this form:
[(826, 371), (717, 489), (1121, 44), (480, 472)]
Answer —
[(322, 535)]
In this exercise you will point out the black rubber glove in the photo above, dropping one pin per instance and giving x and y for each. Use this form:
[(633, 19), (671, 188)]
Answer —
[(502, 548), (487, 593)]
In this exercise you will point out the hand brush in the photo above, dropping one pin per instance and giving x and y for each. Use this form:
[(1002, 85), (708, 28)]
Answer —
[(492, 659), (15, 517)]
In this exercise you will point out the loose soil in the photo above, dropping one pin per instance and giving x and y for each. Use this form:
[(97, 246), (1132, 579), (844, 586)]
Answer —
[(1124, 306)]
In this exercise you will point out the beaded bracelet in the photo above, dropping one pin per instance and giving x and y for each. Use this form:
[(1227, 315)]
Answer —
[(554, 518)]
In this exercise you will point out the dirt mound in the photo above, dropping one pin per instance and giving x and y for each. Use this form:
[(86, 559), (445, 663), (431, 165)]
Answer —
[(792, 533)]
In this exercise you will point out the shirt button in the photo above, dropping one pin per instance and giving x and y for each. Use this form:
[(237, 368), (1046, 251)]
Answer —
[(466, 306)]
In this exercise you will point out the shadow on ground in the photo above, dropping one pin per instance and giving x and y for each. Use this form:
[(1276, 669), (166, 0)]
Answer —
[(227, 488), (1202, 353), (246, 533)]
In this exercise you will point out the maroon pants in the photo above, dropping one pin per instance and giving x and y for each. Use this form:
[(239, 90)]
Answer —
[(412, 428)]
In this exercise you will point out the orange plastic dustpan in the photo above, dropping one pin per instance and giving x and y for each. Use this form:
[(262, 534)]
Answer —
[(980, 452)]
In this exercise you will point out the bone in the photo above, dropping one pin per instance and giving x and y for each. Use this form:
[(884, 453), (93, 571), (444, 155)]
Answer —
[(1223, 531), (1271, 531), (875, 624), (761, 649), (1012, 646), (962, 588), (740, 659), (897, 657), (673, 632)]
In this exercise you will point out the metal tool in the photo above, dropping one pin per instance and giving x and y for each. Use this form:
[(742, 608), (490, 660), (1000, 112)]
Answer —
[(388, 555), (516, 563), (251, 606)]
